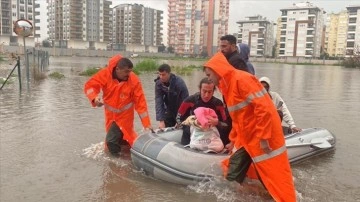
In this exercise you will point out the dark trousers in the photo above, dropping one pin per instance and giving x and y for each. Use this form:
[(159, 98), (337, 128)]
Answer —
[(114, 139), (239, 164), (169, 119), (185, 138)]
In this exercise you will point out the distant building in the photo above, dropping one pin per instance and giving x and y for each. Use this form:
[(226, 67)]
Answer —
[(301, 30), (353, 32), (79, 24), (258, 33), (12, 11), (136, 28), (336, 34), (278, 32), (195, 26)]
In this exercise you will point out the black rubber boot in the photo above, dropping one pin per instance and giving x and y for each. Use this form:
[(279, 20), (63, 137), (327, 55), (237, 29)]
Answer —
[(113, 139)]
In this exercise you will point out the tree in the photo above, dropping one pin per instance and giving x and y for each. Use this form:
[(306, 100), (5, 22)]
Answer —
[(354, 59), (324, 55), (170, 49), (46, 43), (274, 53), (204, 53), (161, 48)]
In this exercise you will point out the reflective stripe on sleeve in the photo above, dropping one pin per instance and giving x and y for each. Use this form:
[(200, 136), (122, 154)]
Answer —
[(269, 155), (112, 109), (89, 91), (248, 100), (142, 115)]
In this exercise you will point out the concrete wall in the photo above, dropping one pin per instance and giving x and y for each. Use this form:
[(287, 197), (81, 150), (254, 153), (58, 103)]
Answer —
[(296, 60), (83, 52), (107, 54)]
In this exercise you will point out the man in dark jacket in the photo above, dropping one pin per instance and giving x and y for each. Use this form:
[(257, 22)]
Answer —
[(244, 51), (204, 98), (229, 49), (170, 91)]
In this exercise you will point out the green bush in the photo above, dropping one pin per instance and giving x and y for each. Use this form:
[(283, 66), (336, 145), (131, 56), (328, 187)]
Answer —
[(146, 65), (10, 81), (90, 71), (186, 70), (351, 62), (56, 75)]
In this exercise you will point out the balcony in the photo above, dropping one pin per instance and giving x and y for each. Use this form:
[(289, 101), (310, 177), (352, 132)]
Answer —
[(350, 37), (352, 21), (350, 44), (351, 28), (310, 33), (261, 36), (352, 14), (308, 53), (260, 47), (310, 27)]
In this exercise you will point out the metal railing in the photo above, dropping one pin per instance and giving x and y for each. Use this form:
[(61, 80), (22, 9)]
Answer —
[(19, 73), (36, 59)]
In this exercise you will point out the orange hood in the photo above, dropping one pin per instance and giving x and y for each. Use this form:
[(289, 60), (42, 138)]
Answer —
[(113, 62), (219, 64)]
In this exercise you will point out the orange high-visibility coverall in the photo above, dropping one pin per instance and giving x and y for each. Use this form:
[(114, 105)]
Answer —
[(254, 117), (120, 99)]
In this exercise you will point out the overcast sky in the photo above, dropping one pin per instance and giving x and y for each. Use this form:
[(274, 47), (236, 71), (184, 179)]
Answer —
[(239, 9)]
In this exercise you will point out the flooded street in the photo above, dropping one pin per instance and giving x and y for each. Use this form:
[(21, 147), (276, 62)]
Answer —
[(51, 143)]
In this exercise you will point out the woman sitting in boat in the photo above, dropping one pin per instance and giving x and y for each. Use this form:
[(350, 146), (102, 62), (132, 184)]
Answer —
[(204, 98)]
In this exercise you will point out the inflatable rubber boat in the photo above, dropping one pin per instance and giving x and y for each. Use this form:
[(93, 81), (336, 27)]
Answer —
[(162, 156)]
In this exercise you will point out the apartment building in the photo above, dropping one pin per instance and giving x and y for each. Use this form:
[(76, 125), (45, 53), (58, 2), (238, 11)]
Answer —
[(278, 32), (79, 24), (301, 30), (353, 32), (258, 33), (13, 10), (136, 28), (195, 26), (336, 34)]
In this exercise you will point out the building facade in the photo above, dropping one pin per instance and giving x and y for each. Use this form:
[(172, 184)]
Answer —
[(258, 33), (353, 32), (136, 28), (301, 30), (195, 26), (79, 24), (336, 34), (10, 12), (278, 31)]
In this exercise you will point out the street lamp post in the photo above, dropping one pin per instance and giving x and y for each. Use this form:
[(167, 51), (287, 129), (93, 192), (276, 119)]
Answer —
[(24, 28)]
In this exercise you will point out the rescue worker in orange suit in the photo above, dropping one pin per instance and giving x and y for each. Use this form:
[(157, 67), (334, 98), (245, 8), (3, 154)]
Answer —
[(256, 136), (122, 92)]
